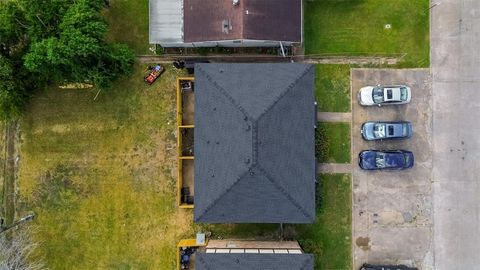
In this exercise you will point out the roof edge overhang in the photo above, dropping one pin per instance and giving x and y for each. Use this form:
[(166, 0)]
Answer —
[(165, 21)]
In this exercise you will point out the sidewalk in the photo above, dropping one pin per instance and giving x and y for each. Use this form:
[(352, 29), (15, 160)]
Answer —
[(334, 168)]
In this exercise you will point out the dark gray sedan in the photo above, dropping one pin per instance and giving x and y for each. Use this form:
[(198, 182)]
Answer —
[(372, 131)]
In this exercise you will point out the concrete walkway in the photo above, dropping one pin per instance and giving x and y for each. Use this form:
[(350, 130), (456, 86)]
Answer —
[(334, 117), (347, 60), (334, 168)]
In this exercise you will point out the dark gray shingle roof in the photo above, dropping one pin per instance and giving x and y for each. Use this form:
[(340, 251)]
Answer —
[(254, 143), (207, 261)]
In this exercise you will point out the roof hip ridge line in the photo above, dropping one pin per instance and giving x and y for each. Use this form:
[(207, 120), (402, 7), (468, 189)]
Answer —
[(254, 142), (209, 207), (224, 92), (283, 191), (287, 89)]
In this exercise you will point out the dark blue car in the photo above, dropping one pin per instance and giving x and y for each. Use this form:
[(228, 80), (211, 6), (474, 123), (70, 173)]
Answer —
[(385, 159), (372, 131), (386, 267)]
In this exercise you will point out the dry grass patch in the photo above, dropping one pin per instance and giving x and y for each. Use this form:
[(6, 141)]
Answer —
[(100, 175)]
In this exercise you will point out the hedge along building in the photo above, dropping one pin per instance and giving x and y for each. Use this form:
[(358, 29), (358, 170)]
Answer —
[(225, 23)]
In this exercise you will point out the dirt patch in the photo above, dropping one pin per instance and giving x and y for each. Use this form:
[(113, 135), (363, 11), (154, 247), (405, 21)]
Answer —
[(187, 141), (363, 243), (188, 107)]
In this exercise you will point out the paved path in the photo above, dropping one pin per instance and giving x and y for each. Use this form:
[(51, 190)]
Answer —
[(334, 117), (455, 58), (346, 60), (233, 58), (334, 168)]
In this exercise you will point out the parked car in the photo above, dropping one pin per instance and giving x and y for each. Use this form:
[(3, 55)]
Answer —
[(384, 95), (386, 267), (372, 131), (385, 159)]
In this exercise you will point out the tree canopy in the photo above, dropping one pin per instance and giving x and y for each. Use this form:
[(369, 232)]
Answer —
[(11, 28), (11, 93), (48, 41)]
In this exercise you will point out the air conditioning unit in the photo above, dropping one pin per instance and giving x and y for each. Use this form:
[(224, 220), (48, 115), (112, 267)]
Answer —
[(236, 2)]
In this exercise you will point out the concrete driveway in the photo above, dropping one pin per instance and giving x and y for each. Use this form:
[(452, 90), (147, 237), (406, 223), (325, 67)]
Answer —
[(455, 60), (392, 212)]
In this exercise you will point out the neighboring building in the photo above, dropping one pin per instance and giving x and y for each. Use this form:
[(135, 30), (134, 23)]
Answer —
[(243, 255), (226, 23), (207, 261), (254, 143)]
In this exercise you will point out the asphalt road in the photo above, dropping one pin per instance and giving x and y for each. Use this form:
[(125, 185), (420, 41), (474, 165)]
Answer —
[(455, 59)]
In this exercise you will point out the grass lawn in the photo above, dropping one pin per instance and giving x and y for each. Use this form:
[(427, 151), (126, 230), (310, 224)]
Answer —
[(333, 88), (357, 27), (332, 142), (128, 23), (100, 175), (2, 170), (329, 238)]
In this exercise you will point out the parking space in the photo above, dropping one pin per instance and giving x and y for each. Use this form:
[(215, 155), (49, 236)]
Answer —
[(392, 212)]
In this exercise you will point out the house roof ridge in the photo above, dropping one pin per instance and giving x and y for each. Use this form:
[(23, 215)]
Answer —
[(226, 191), (287, 89), (254, 142), (224, 92), (283, 191)]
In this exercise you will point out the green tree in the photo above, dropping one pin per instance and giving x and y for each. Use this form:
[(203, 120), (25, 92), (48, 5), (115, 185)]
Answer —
[(45, 41), (12, 95), (42, 17), (12, 30), (80, 53)]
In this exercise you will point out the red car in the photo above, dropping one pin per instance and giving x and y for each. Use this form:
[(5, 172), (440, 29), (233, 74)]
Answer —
[(155, 72)]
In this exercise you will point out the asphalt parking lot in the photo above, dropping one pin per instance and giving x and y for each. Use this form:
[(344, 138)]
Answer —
[(392, 211)]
